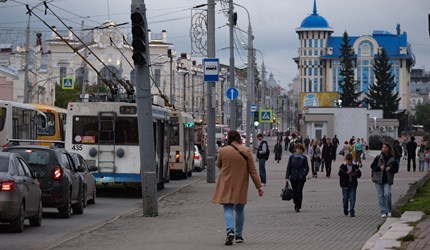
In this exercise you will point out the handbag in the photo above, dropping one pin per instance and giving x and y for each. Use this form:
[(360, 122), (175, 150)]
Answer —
[(287, 192)]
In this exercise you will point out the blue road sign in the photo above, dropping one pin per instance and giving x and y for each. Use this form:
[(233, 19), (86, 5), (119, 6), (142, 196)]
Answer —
[(253, 107), (266, 115), (232, 93), (67, 83), (210, 69)]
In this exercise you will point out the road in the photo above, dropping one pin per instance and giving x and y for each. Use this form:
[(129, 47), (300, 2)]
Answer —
[(109, 205)]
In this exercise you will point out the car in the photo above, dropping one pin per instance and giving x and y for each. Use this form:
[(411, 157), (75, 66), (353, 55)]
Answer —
[(20, 194), (198, 160), (88, 179), (61, 184)]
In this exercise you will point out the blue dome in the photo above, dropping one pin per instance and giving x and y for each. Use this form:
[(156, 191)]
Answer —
[(314, 21)]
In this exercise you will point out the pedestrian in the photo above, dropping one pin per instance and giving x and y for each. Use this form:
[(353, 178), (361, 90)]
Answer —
[(262, 156), (335, 142), (421, 157), (278, 150), (315, 153), (321, 146), (398, 151), (328, 156), (384, 166), (236, 164), (427, 158), (346, 148), (411, 148), (297, 170), (307, 141), (366, 148), (348, 175), (286, 142), (359, 149)]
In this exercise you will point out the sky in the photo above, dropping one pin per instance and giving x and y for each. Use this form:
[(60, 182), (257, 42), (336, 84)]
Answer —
[(273, 22)]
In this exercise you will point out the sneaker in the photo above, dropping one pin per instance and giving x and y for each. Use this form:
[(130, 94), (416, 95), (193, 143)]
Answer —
[(239, 239), (389, 214), (352, 215), (297, 210), (229, 239), (345, 212), (383, 215)]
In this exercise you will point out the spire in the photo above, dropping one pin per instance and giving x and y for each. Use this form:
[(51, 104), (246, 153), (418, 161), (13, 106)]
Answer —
[(315, 8)]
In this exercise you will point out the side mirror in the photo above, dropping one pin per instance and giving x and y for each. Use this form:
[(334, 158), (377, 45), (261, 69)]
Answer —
[(38, 174), (93, 168)]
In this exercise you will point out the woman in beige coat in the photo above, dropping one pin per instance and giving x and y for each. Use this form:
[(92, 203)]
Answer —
[(236, 164)]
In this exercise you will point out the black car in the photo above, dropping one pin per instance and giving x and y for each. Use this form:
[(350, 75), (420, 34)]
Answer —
[(88, 179), (61, 185)]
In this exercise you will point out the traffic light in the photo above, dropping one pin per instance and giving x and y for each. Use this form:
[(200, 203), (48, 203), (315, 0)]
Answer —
[(256, 119), (139, 30)]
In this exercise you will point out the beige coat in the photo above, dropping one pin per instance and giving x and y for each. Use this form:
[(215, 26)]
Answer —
[(233, 180)]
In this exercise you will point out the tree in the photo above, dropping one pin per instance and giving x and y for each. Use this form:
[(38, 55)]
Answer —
[(422, 116), (381, 94), (349, 88), (64, 96)]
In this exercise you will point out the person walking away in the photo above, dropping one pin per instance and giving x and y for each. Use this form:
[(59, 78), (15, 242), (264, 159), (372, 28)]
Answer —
[(348, 175), (411, 148), (236, 164), (398, 151), (307, 141), (365, 149), (321, 146), (384, 167), (405, 151), (328, 155), (278, 150), (427, 158), (286, 142), (297, 170), (315, 153), (262, 156), (358, 150), (421, 158), (335, 142)]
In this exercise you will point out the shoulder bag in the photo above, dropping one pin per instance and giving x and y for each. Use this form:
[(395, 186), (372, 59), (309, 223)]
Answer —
[(240, 152)]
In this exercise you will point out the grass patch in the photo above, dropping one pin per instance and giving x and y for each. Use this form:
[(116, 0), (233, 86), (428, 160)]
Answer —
[(408, 237), (421, 200)]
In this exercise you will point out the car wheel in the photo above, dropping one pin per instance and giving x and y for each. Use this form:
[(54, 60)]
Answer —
[(17, 225), (78, 208), (36, 220), (93, 199), (66, 210)]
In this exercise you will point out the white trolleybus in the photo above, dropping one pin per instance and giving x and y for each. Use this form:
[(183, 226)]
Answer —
[(106, 135), (19, 123), (181, 145)]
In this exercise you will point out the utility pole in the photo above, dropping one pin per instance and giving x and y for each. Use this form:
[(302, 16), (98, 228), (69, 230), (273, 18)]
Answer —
[(27, 62), (250, 86), (84, 67), (211, 95), (232, 102), (141, 58)]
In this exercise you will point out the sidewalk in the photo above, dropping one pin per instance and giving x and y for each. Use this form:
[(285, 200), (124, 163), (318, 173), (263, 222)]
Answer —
[(188, 220)]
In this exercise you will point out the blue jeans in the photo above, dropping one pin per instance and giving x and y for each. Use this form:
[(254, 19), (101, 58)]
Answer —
[(349, 194), (384, 197), (262, 170), (234, 223)]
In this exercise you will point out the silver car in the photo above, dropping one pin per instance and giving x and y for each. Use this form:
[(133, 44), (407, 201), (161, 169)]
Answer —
[(198, 160), (20, 195)]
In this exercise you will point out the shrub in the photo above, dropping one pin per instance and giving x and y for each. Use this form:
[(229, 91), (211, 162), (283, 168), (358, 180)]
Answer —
[(375, 141)]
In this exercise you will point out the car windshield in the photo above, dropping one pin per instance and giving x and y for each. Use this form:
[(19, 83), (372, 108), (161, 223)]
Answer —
[(33, 156), (4, 165)]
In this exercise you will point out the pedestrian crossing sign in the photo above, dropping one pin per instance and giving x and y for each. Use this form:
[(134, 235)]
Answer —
[(67, 83), (266, 115)]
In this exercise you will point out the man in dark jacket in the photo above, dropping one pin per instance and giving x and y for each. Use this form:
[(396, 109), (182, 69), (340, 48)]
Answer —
[(398, 151), (262, 156), (411, 147), (328, 155)]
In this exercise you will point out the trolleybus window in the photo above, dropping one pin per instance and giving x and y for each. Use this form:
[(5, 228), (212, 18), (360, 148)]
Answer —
[(174, 136), (85, 131), (2, 118)]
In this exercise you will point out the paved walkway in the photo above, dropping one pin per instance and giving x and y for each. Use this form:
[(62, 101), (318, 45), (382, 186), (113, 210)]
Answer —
[(188, 220)]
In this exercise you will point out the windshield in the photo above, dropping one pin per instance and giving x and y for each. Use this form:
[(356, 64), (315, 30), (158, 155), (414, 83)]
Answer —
[(33, 156), (4, 165)]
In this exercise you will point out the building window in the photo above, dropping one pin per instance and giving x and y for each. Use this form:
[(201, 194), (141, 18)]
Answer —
[(43, 63), (63, 72), (157, 77), (109, 73)]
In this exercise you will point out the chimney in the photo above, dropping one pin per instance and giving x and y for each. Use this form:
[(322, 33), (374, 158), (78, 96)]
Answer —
[(38, 39), (164, 36), (149, 36), (398, 29)]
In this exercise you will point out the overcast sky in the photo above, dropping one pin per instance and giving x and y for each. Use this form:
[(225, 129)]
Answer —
[(273, 22)]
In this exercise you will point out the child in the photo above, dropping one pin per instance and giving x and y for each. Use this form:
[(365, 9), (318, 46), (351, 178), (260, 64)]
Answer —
[(348, 175), (421, 158), (427, 158)]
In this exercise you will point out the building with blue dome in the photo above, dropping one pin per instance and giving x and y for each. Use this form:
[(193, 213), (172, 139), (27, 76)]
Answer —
[(319, 57)]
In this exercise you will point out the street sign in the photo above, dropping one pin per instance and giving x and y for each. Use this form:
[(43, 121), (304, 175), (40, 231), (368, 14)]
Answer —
[(210, 69), (266, 115), (253, 107), (67, 83), (232, 93)]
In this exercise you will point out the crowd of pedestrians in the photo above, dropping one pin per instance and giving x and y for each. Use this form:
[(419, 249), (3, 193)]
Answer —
[(236, 164)]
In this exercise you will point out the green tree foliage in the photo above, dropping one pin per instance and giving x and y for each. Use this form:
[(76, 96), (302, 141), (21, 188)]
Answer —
[(381, 95), (64, 96), (349, 94), (422, 116)]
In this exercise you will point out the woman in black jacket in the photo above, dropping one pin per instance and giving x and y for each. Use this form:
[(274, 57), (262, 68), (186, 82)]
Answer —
[(297, 170), (348, 175)]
